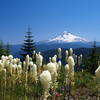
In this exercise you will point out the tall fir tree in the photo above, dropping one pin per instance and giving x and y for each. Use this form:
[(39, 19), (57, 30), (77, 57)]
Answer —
[(8, 48), (1, 44), (92, 61), (3, 49), (28, 46)]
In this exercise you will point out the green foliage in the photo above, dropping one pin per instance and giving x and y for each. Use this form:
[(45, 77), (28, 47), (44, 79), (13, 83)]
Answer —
[(37, 89), (28, 46), (85, 79), (91, 62), (8, 49), (62, 76), (4, 50), (15, 86)]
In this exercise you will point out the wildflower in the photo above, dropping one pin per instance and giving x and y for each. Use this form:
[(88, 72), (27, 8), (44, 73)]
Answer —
[(59, 53), (97, 73), (71, 51), (39, 59)]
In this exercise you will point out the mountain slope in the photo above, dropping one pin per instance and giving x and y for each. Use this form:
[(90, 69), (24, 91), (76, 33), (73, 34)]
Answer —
[(67, 37)]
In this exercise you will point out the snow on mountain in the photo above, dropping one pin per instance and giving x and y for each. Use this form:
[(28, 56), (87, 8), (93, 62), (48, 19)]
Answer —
[(67, 37)]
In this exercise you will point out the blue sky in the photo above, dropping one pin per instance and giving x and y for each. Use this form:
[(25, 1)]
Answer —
[(47, 18)]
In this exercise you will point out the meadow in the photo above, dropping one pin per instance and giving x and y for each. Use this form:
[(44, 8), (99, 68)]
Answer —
[(34, 79)]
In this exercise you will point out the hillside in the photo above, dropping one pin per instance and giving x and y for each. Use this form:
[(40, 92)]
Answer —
[(84, 51)]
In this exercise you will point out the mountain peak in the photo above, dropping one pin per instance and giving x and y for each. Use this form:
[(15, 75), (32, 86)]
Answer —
[(66, 33), (67, 37)]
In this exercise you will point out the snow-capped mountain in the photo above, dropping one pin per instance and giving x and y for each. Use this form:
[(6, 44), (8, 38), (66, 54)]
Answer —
[(67, 37)]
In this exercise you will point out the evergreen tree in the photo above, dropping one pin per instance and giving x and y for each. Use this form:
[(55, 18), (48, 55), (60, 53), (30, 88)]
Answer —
[(1, 44), (29, 45), (8, 49), (92, 61), (3, 50)]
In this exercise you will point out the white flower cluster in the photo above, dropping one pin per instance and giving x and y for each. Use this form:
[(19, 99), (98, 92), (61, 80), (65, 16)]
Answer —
[(45, 79), (51, 67), (97, 73), (13, 65), (39, 59), (59, 53), (48, 73), (69, 67)]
